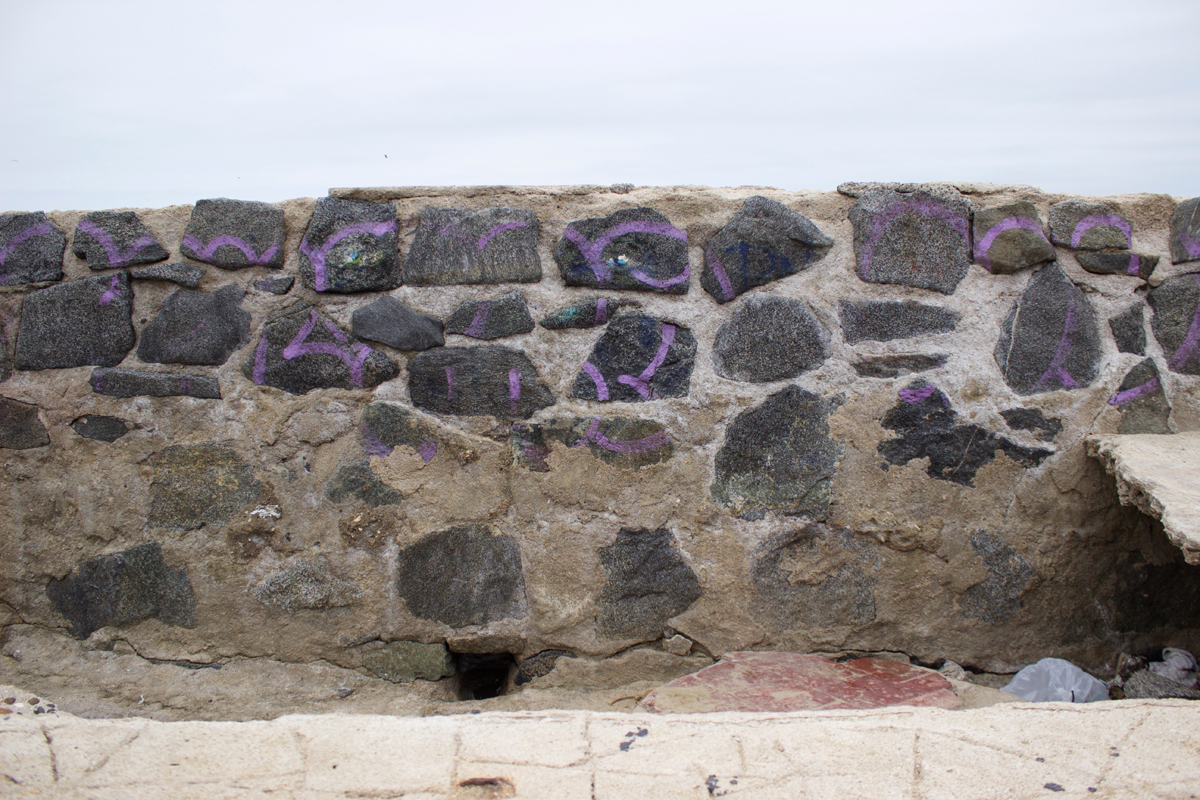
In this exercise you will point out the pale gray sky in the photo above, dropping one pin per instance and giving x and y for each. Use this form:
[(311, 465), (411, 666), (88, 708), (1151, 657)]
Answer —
[(122, 103)]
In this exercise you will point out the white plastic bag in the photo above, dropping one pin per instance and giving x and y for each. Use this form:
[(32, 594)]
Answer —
[(1177, 665), (1053, 679)]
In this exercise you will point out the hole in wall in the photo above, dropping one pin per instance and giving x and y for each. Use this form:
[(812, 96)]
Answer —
[(479, 676)]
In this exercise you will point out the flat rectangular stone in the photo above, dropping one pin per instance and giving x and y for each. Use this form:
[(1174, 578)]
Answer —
[(132, 383)]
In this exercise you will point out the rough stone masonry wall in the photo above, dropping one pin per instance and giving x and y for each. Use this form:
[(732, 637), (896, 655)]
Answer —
[(753, 418)]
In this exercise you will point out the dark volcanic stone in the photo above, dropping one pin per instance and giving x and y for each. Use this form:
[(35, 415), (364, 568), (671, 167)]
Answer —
[(587, 314), (1088, 226), (133, 383), (492, 319), (1145, 684), (792, 592), (1142, 401), (389, 321), (275, 285), (357, 481), (475, 381), (304, 585), (233, 234), (386, 426), (1050, 339), (197, 327), (762, 243), (1176, 322), (1032, 419), (124, 587), (350, 246), (635, 248), (1129, 330), (1010, 238), (5, 361), (778, 457), (100, 427), (895, 366), (638, 358), (646, 582), (1185, 231), (911, 239), (1138, 265), (197, 484), (302, 349), (495, 245), (31, 249), (884, 321), (538, 666), (620, 442), (769, 339), (178, 272), (926, 424), (998, 596), (462, 576), (76, 324), (20, 428), (109, 239)]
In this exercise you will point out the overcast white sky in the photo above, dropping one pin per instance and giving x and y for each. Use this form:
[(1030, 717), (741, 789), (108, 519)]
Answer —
[(109, 104)]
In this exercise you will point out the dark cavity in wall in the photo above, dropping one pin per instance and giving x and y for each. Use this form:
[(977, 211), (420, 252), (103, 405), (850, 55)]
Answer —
[(479, 676)]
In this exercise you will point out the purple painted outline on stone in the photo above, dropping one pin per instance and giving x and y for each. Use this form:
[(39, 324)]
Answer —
[(1087, 223), (601, 311), (497, 230), (591, 250), (116, 257), (1191, 244), (204, 252), (918, 395), (373, 445), (1129, 395), (40, 229), (640, 383), (475, 329), (300, 347), (1006, 224), (427, 450), (514, 389), (714, 264), (316, 256), (908, 205), (451, 394), (1056, 368), (626, 446), (597, 378), (114, 291), (1190, 342)]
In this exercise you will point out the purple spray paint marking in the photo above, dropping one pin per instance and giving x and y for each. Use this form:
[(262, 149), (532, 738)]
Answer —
[(907, 205), (627, 446), (597, 378), (920, 395), (185, 385), (179, 346), (205, 252), (1129, 395), (514, 389), (114, 291), (1191, 341), (1006, 224), (601, 311), (1087, 223), (1057, 368), (714, 264), (352, 357), (260, 361), (316, 255), (373, 445), (116, 256), (1191, 244), (451, 393), (1135, 264), (593, 250), (28, 233), (475, 329), (497, 230), (427, 450), (640, 383)]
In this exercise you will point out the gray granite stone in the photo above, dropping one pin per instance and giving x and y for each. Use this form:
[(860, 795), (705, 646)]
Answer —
[(770, 339), (351, 246), (1176, 321), (134, 383), (586, 314), (197, 327), (20, 428), (281, 285), (180, 272), (100, 427), (889, 366), (358, 482), (912, 239), (405, 662), (879, 321), (198, 484), (302, 585), (1129, 330), (386, 426), (124, 587), (1049, 340), (301, 350), (494, 380), (1032, 419), (389, 321), (1142, 401), (494, 245), (634, 248), (1185, 231), (108, 239), (6, 366), (538, 666), (492, 319), (76, 324), (621, 442), (234, 234), (638, 358), (998, 596), (778, 457), (647, 581), (1138, 265), (762, 243), (1010, 238), (462, 576), (31, 249), (1089, 226)]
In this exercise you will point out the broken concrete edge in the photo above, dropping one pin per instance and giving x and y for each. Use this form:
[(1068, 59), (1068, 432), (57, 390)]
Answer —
[(1151, 472)]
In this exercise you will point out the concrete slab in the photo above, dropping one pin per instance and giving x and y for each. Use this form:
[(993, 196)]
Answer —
[(1160, 475)]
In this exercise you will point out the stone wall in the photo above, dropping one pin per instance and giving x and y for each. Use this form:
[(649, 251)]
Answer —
[(579, 419)]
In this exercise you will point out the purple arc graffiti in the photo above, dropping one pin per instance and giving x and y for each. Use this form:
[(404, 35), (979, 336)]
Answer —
[(1190, 244), (641, 383), (514, 390), (116, 256), (922, 394), (1006, 224), (719, 273), (496, 231), (1190, 342), (204, 252), (1087, 223), (451, 392), (1057, 368), (427, 450), (907, 205), (597, 378), (1135, 264), (373, 445), (353, 356), (1129, 395), (316, 255), (114, 291), (29, 233), (601, 311), (623, 446), (475, 329), (593, 249)]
